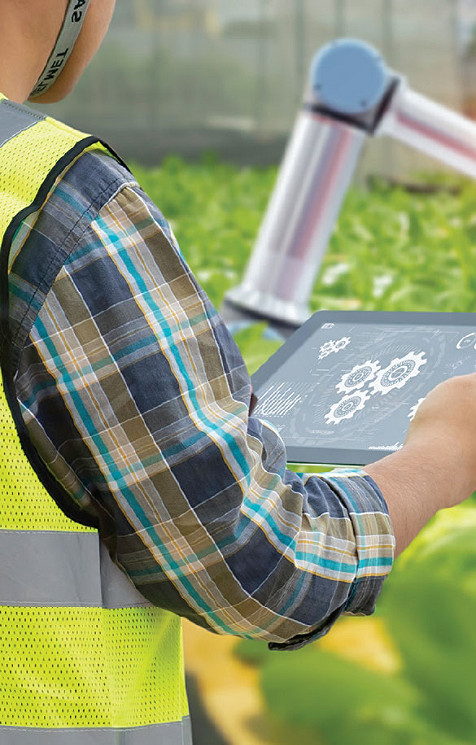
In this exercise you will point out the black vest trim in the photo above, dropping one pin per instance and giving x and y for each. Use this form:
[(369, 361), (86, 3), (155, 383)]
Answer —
[(103, 521)]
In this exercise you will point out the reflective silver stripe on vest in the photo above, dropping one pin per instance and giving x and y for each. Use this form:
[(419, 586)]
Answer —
[(18, 119), (63, 569), (171, 733)]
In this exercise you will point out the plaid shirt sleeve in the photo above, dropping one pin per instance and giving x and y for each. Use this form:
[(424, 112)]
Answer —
[(135, 395)]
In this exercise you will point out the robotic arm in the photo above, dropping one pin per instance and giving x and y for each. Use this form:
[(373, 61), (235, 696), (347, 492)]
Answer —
[(351, 95)]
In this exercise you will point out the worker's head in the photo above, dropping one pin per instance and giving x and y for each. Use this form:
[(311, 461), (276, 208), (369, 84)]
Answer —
[(28, 32)]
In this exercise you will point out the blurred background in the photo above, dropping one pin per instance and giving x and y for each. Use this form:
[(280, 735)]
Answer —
[(182, 76), (199, 98)]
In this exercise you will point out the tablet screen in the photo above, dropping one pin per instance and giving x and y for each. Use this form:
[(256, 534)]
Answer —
[(346, 390)]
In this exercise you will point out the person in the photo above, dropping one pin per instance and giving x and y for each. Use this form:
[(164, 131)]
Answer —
[(136, 486)]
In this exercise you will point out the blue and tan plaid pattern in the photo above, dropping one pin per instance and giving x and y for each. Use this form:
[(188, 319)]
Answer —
[(136, 396)]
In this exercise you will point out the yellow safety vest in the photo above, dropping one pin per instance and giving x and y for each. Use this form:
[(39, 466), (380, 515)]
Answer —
[(85, 659)]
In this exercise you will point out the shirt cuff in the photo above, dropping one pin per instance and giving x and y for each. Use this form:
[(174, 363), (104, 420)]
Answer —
[(375, 544), (374, 535)]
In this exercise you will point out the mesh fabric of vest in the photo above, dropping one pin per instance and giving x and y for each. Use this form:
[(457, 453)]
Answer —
[(69, 667)]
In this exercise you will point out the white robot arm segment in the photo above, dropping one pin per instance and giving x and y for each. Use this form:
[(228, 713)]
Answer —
[(351, 95)]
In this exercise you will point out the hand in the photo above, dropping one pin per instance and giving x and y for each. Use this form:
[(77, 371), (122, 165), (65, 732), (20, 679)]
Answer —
[(446, 420), (436, 468)]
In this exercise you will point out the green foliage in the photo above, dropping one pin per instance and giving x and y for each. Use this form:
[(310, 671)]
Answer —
[(391, 250), (430, 606), (345, 703), (256, 348), (252, 652)]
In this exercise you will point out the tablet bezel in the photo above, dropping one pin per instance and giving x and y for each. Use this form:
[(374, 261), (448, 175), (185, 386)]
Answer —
[(300, 455)]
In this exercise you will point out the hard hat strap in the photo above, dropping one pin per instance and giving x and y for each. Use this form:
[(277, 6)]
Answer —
[(73, 21)]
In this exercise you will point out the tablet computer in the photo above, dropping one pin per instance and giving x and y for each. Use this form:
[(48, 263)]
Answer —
[(344, 387)]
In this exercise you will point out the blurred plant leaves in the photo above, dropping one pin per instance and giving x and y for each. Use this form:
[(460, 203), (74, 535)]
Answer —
[(425, 243), (345, 703), (254, 347), (430, 610)]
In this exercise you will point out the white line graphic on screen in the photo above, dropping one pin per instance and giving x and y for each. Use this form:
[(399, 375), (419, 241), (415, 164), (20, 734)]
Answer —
[(414, 409), (396, 446), (358, 377), (278, 400), (346, 407), (467, 341), (398, 372), (333, 346)]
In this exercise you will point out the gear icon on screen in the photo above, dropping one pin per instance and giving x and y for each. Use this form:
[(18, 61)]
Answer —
[(358, 377), (346, 407), (414, 409), (467, 341), (398, 372), (333, 346), (341, 343), (327, 348)]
